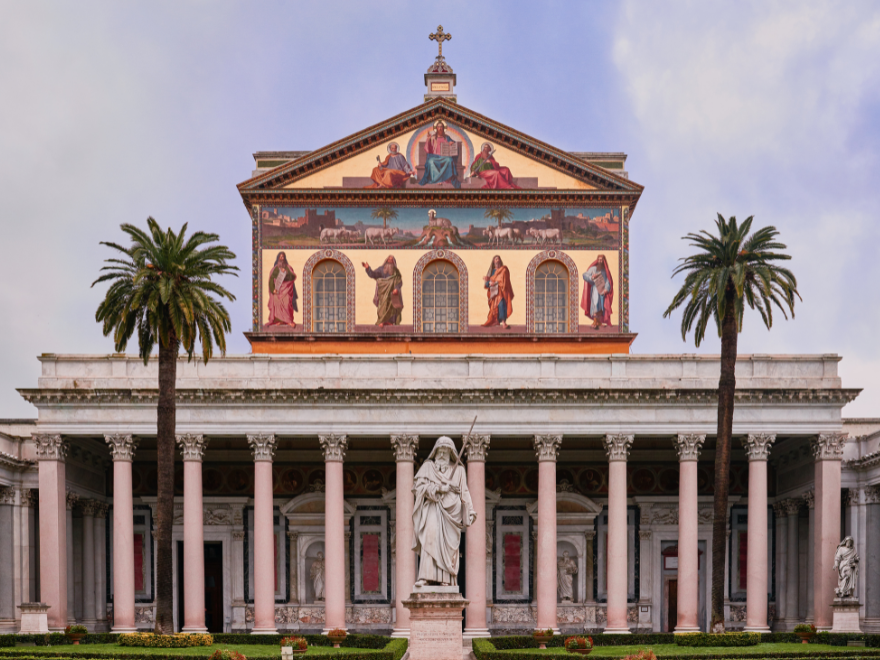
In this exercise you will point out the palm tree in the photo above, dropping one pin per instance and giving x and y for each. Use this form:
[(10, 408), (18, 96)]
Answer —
[(162, 288), (384, 213), (729, 269), (498, 214)]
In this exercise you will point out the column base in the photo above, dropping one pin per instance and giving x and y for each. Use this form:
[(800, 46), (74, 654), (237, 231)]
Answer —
[(400, 633), (472, 633), (188, 630), (264, 631), (757, 629), (685, 630), (617, 631), (121, 630)]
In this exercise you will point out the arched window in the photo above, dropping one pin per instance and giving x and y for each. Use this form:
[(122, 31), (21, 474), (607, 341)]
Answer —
[(440, 297), (328, 297), (551, 297)]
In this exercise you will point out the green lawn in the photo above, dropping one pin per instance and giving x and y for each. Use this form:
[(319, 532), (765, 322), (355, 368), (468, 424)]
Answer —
[(662, 650), (114, 650)]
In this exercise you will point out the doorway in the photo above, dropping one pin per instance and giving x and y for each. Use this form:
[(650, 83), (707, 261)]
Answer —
[(672, 605), (214, 618)]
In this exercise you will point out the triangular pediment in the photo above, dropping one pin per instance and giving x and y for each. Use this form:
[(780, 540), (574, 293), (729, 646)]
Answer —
[(429, 159)]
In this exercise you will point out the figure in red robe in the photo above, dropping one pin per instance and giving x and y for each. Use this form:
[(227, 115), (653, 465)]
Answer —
[(598, 292), (282, 293), (487, 168), (500, 294)]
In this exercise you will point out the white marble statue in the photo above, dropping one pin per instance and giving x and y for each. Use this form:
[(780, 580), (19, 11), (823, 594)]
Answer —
[(316, 572), (846, 563), (565, 569), (442, 509)]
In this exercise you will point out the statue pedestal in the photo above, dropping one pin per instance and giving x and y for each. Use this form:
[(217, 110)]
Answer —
[(845, 617), (435, 623), (34, 619)]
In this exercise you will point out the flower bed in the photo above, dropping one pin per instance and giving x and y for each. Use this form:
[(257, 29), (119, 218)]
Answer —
[(177, 641)]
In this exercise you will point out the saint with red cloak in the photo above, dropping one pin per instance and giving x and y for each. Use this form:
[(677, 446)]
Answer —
[(487, 168), (282, 292), (598, 292), (394, 171), (500, 294)]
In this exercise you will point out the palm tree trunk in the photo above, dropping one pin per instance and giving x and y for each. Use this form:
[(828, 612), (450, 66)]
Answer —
[(165, 439), (726, 390)]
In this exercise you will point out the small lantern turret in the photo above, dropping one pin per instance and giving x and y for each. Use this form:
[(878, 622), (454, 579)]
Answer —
[(440, 80)]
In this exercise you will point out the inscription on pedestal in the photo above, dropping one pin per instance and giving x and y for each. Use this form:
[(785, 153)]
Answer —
[(435, 625)]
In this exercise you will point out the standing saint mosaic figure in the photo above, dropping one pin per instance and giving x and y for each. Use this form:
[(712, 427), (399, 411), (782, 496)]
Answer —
[(846, 563), (443, 508)]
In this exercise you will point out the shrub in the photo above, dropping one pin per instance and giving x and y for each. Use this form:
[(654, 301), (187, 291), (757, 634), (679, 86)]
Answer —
[(226, 654), (154, 640), (295, 642), (76, 630), (805, 628), (715, 639), (579, 642)]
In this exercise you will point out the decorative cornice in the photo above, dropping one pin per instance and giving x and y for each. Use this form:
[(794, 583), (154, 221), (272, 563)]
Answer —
[(334, 447), (617, 446), (867, 461), (404, 447), (829, 446), (477, 446), (122, 446), (50, 447), (262, 446), (688, 445), (547, 447), (757, 445), (15, 464), (192, 446), (369, 397)]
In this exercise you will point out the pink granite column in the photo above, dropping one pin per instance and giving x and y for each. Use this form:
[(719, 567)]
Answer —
[(475, 567), (334, 447), (51, 453), (263, 448), (122, 449), (193, 447), (617, 573), (89, 583), (688, 446), (828, 453), (405, 448), (757, 446), (547, 450)]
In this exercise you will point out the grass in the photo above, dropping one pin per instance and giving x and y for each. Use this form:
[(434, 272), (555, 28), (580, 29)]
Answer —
[(114, 650), (661, 650)]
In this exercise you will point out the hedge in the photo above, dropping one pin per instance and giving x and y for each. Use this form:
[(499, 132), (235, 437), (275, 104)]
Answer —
[(154, 640), (726, 639), (508, 642)]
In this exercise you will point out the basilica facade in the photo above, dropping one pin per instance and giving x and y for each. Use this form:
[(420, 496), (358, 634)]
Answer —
[(437, 274)]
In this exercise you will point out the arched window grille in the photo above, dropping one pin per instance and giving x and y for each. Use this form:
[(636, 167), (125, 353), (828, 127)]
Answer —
[(440, 298), (328, 301), (551, 298)]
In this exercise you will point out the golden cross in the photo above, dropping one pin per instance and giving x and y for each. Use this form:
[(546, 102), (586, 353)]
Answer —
[(439, 36)]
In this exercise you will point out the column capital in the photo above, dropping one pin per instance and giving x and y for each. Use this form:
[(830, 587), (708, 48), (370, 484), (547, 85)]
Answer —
[(7, 495), (50, 446), (122, 446), (477, 446), (645, 534), (28, 497), (334, 447), (262, 446), (192, 446), (757, 445), (828, 446), (792, 506), (780, 508), (547, 447), (405, 447), (853, 497), (810, 498), (293, 536), (72, 499), (872, 495), (688, 445), (101, 509), (617, 446), (89, 507), (590, 534), (238, 535)]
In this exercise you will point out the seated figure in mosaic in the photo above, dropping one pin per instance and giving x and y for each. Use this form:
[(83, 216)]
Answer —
[(443, 508)]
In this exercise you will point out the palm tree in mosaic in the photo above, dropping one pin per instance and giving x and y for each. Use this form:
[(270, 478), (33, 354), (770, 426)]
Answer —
[(384, 213), (162, 288), (499, 215), (729, 270)]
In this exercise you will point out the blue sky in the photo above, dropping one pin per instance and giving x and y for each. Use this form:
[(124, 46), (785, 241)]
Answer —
[(112, 111)]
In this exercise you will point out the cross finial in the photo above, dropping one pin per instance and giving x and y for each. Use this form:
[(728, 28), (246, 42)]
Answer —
[(439, 36)]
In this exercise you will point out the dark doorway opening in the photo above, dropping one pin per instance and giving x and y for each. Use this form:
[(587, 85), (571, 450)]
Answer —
[(213, 586), (672, 607)]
